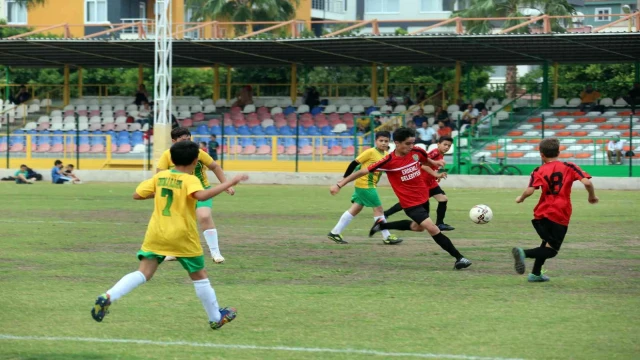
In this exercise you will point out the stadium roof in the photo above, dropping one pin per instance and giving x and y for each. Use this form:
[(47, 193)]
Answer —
[(424, 49)]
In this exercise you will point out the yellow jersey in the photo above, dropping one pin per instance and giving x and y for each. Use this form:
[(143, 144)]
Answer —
[(173, 229), (368, 157), (204, 160)]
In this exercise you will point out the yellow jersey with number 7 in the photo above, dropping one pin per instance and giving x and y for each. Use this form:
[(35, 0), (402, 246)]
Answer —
[(173, 229), (204, 160)]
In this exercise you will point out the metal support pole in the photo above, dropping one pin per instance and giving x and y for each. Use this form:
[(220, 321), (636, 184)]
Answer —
[(163, 65), (294, 83), (386, 82), (545, 85), (66, 97), (468, 77), (6, 99), (456, 84), (555, 81), (80, 83), (637, 72), (630, 142), (374, 82), (216, 82), (228, 85)]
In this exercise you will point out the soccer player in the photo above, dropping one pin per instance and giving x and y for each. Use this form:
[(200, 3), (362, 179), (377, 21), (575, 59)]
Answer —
[(173, 231), (433, 183), (365, 193), (552, 214), (203, 208), (404, 168)]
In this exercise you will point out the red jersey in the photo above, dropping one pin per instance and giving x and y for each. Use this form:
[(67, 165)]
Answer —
[(555, 180), (405, 176), (430, 180)]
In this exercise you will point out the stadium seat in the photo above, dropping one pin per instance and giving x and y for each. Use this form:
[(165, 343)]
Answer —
[(559, 103), (575, 102), (249, 150)]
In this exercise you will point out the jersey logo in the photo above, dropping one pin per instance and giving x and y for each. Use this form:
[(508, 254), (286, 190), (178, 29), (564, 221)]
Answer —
[(415, 157)]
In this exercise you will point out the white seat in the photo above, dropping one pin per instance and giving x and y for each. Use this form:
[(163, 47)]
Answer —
[(106, 108), (30, 126), (69, 119), (594, 113), (368, 102), (453, 108), (477, 101), (95, 120), (567, 141), (339, 128), (590, 127), (68, 107), (196, 108), (121, 120), (302, 109), (596, 134), (266, 123), (525, 127), (575, 102), (575, 148), (606, 101), (566, 120), (330, 109), (502, 115), (429, 109), (133, 113), (285, 102), (620, 103), (574, 127), (344, 109), (56, 113), (531, 133), (56, 119), (108, 120), (614, 120), (276, 110), (183, 115), (456, 115), (83, 126), (33, 108), (492, 101), (91, 108), (551, 120), (221, 103), (209, 109), (43, 118), (559, 103), (610, 113), (206, 102), (526, 147), (55, 126), (357, 109), (381, 101), (547, 113), (45, 102), (248, 109), (117, 107), (400, 109), (271, 103), (138, 149), (69, 127), (133, 107)]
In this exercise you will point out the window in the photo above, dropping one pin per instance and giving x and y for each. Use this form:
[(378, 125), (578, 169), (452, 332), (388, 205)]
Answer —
[(381, 6), (95, 11), (143, 10), (429, 6), (603, 14), (16, 13), (448, 5)]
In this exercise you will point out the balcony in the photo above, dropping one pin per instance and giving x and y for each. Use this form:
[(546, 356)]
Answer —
[(328, 9)]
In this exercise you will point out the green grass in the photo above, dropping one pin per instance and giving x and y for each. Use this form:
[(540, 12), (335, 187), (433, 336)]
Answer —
[(61, 246)]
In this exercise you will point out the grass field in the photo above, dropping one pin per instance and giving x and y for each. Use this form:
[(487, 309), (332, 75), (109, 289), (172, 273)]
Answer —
[(300, 296)]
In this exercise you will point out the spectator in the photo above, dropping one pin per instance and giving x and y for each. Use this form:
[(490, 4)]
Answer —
[(470, 115), (426, 134), (312, 97), (443, 130), (377, 121), (484, 121), (462, 102), (421, 95), (203, 146), (213, 147), (142, 96), (22, 176), (245, 97), (411, 125), (21, 96), (443, 115), (406, 98), (419, 118), (68, 172), (57, 176), (363, 123), (633, 96), (391, 101), (615, 147), (588, 98)]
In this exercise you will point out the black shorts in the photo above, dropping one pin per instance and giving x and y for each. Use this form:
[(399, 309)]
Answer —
[(418, 213), (550, 232), (435, 191)]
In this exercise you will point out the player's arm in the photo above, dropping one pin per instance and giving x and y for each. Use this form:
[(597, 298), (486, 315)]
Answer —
[(212, 165), (354, 164), (593, 199), (527, 192), (163, 163), (146, 190), (340, 184), (434, 173), (207, 194)]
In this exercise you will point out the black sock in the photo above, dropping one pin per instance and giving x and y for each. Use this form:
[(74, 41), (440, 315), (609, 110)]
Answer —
[(541, 254), (394, 209), (537, 266), (442, 210), (446, 244), (403, 225)]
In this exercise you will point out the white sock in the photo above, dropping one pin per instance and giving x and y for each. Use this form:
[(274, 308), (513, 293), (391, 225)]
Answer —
[(385, 233), (208, 299), (345, 219), (211, 236), (126, 284)]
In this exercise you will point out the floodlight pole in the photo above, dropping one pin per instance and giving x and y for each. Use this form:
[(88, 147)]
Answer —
[(162, 78)]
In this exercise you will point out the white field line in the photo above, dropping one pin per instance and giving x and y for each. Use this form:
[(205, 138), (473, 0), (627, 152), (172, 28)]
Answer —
[(248, 347)]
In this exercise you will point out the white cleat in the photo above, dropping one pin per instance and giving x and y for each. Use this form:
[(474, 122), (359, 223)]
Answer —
[(170, 258), (218, 259)]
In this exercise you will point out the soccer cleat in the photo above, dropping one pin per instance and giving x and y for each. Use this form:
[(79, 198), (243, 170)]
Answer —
[(462, 263), (170, 258), (101, 308), (518, 256), (392, 240), (376, 227), (217, 258), (538, 278), (445, 227), (227, 315), (337, 238)]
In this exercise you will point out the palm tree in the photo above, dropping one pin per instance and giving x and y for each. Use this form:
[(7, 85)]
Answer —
[(244, 10), (512, 9), (31, 3)]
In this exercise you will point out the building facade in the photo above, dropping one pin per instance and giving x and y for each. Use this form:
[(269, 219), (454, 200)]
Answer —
[(604, 10)]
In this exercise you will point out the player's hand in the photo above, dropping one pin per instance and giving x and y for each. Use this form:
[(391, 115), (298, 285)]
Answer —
[(240, 178), (439, 163), (442, 175), (334, 189), (593, 200), (231, 191), (519, 199)]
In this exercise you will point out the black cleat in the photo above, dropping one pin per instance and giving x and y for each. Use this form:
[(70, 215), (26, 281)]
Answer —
[(336, 238), (445, 227), (376, 227), (462, 263), (518, 256)]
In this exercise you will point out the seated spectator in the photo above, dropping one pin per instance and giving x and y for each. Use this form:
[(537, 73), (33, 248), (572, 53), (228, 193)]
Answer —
[(213, 147), (68, 172), (484, 122), (391, 101), (633, 96), (142, 96), (588, 98), (443, 130), (421, 95), (426, 134), (406, 98), (615, 147), (22, 176), (312, 97), (470, 115), (245, 97), (363, 123), (57, 175), (377, 121), (419, 118), (21, 96)]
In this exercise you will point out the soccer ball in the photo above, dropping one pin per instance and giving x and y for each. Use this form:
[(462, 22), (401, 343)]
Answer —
[(481, 214)]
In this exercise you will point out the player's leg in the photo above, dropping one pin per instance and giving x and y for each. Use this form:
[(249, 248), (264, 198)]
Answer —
[(387, 237), (392, 210), (619, 157), (208, 228), (205, 292), (610, 156), (440, 196), (552, 236), (148, 265), (335, 234)]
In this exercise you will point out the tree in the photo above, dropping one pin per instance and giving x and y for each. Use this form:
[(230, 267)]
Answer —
[(31, 3), (244, 10), (514, 9)]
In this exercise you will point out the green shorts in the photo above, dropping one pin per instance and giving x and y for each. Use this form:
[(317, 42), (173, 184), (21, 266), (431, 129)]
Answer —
[(366, 197), (206, 203), (191, 264)]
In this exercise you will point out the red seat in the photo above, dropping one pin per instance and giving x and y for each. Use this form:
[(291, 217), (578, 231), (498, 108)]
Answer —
[(84, 148), (43, 148), (198, 117), (97, 148), (213, 122), (16, 148), (56, 148), (3, 147), (290, 150), (187, 123), (306, 150), (249, 150), (264, 150), (124, 149), (335, 150), (43, 126), (349, 151)]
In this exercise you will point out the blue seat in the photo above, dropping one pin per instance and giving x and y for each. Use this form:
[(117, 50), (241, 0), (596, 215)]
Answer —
[(326, 131), (243, 130), (261, 142), (56, 139), (137, 135), (202, 130), (289, 141), (3, 139), (135, 142), (304, 142), (370, 109), (246, 142), (288, 110), (18, 132), (84, 140), (285, 130), (122, 141), (58, 132), (97, 140), (215, 130), (313, 131), (257, 130), (84, 132), (346, 142), (230, 130), (332, 142), (32, 132), (316, 110), (44, 139), (270, 130)]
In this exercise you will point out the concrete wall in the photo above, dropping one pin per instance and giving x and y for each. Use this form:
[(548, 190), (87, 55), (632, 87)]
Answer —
[(327, 179)]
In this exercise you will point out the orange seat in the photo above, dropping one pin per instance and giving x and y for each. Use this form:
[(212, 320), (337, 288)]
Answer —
[(627, 148), (578, 113), (515, 133), (516, 155), (624, 113), (562, 113), (627, 133), (585, 141), (583, 156), (601, 141), (582, 120), (622, 127), (557, 126), (565, 155), (563, 133), (535, 120), (519, 141), (580, 133), (599, 120), (499, 154), (493, 147), (539, 126), (533, 141), (606, 127)]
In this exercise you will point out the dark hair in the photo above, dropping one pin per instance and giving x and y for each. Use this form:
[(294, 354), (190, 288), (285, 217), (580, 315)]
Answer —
[(203, 143), (550, 147), (213, 135), (23, 165), (402, 133), (57, 162), (383, 134), (183, 153), (70, 165), (179, 132), (445, 138)]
